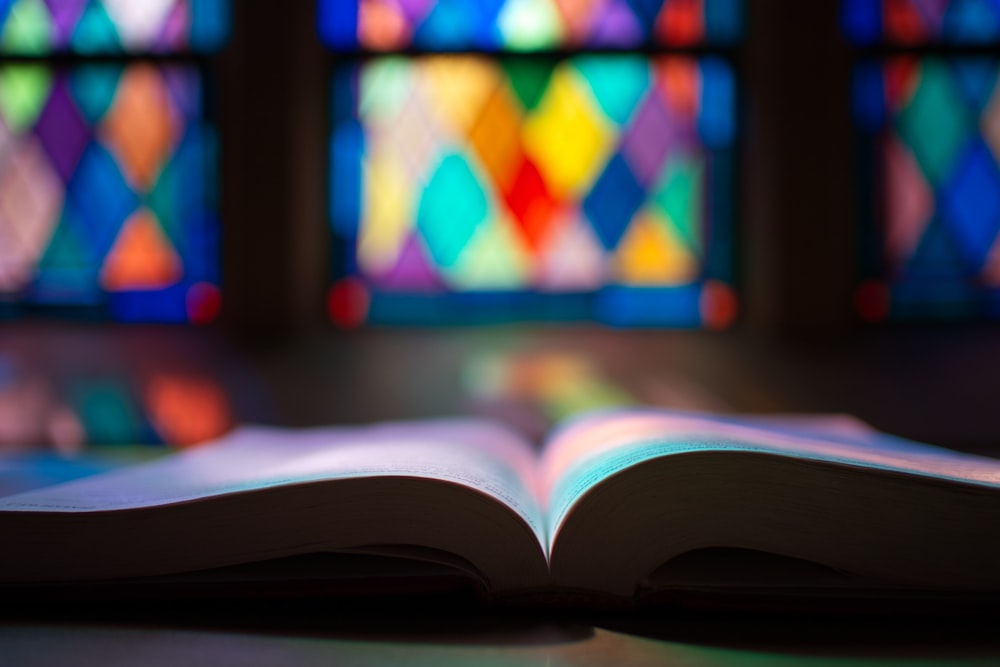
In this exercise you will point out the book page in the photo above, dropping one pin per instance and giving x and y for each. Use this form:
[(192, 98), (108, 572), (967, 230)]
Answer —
[(588, 451), (479, 455)]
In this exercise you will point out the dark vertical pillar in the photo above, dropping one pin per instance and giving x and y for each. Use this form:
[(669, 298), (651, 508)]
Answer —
[(800, 197), (272, 115)]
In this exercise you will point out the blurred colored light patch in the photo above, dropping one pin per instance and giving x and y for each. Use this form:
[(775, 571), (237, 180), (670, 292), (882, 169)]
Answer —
[(187, 410), (204, 303), (872, 301), (560, 385), (108, 411), (348, 302), (719, 305)]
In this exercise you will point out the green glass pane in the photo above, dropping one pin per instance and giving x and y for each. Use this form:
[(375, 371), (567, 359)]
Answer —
[(23, 91)]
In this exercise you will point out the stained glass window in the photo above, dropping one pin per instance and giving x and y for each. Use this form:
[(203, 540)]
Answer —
[(499, 25), (581, 185), (931, 129), (108, 169), (921, 22), (29, 27), (934, 128)]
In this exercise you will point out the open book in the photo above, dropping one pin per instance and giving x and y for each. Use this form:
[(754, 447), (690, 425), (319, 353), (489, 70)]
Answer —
[(615, 506)]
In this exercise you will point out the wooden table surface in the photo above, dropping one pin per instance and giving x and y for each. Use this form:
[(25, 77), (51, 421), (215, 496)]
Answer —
[(940, 385), (420, 639)]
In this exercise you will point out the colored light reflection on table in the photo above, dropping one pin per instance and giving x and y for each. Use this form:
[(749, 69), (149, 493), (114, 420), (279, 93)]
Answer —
[(445, 640), (476, 187), (535, 390), (74, 410)]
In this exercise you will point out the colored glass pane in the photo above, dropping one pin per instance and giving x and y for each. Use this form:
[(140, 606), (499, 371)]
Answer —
[(107, 199), (526, 25), (471, 188), (916, 22), (41, 27), (933, 130)]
